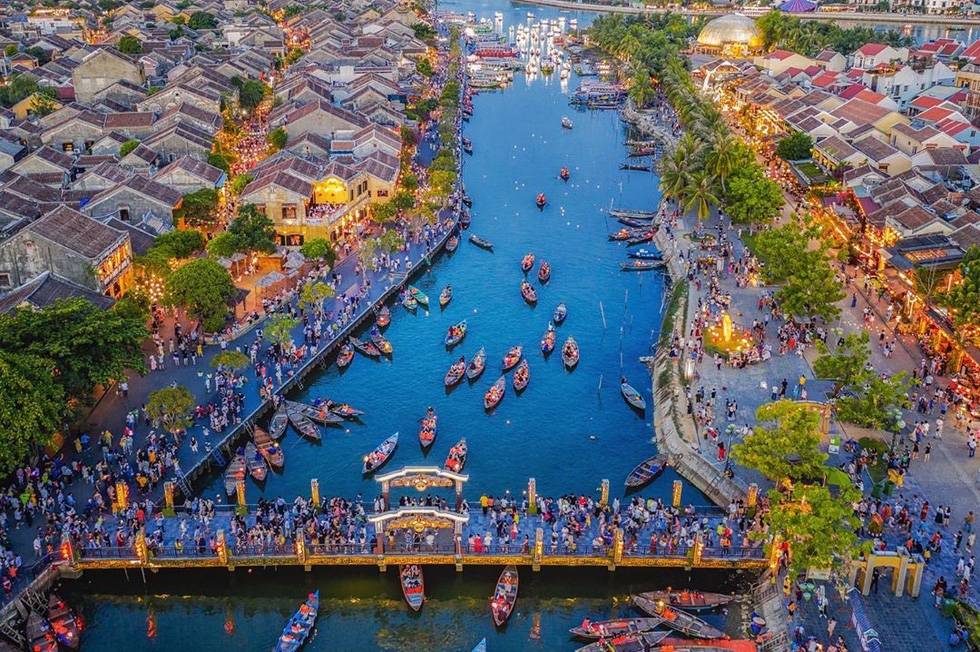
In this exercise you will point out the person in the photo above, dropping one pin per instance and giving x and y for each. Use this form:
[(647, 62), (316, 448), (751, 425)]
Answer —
[(831, 625), (875, 576)]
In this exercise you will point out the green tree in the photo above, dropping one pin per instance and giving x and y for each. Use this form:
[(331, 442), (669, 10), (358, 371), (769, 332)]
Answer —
[(313, 295), (205, 289), (875, 403), (797, 146), (641, 91), (847, 364), (320, 249), (753, 198), (812, 290), (42, 104), (251, 93), (254, 229), (171, 407), (38, 53), (238, 184), (963, 297), (702, 195), (782, 250), (127, 147), (198, 208), (202, 20), (278, 138), (182, 243), (89, 346), (219, 160), (383, 213), (402, 200), (424, 66), (391, 241), (19, 87), (787, 446), (234, 360), (134, 305), (424, 31), (224, 245), (10, 50), (32, 405), (279, 329), (130, 45)]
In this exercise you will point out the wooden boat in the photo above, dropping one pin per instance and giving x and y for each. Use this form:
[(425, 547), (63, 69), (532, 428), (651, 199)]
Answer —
[(544, 272), (320, 414), (481, 243), (455, 373), (564, 174), (465, 219), (409, 301), (566, 122), (646, 254), (690, 600), (527, 263), (419, 295), (255, 463), (646, 471), (277, 427), (413, 585), (632, 396), (633, 222), (634, 168), (529, 293), (427, 431), (298, 628), (622, 234), (63, 622), (548, 340), (610, 628), (345, 355), (629, 642), (451, 244), (445, 296), (513, 356), (466, 200), (629, 212), (344, 410), (365, 348), (455, 334), (40, 634), (495, 394), (271, 451), (476, 365), (380, 455), (467, 145), (570, 353), (456, 459), (504, 596), (481, 646), (380, 341), (676, 619), (303, 424), (640, 238), (234, 473), (541, 200), (522, 375), (641, 265), (560, 312), (384, 316)]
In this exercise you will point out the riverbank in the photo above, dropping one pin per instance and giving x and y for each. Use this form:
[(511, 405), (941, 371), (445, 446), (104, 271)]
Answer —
[(890, 18)]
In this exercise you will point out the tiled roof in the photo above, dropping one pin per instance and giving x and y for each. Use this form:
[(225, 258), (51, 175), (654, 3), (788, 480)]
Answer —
[(283, 180), (195, 167), (76, 232), (46, 288), (875, 149)]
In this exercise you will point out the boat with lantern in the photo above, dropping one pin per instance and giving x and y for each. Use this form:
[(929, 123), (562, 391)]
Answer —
[(564, 174), (541, 200)]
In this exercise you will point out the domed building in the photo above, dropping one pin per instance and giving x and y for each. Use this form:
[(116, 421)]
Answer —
[(732, 35)]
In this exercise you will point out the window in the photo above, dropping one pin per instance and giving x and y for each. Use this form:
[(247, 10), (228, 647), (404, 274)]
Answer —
[(124, 213), (5, 280), (68, 147)]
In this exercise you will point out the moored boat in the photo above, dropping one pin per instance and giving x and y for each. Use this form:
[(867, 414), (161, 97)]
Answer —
[(409, 301), (677, 619), (455, 373), (513, 356), (529, 293), (544, 271), (646, 471), (690, 600), (632, 396), (640, 238), (560, 313), (451, 244), (277, 426), (365, 348), (419, 295), (481, 646), (495, 394), (646, 254), (548, 340), (629, 642), (504, 596), (427, 431), (466, 199), (271, 451), (610, 628), (570, 353), (383, 316), (633, 223), (455, 334), (522, 375), (64, 622), (445, 296), (481, 243), (380, 455), (641, 265), (629, 212), (380, 341), (622, 234), (303, 424), (344, 410), (298, 628), (467, 145), (320, 413), (234, 474), (345, 355), (413, 585), (465, 219), (456, 459), (255, 463), (40, 635), (633, 167), (476, 365), (527, 262)]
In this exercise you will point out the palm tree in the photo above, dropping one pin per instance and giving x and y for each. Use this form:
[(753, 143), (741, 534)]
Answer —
[(641, 91), (675, 176), (721, 158), (701, 195)]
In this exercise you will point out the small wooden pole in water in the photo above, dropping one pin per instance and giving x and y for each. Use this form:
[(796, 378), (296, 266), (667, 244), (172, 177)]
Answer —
[(599, 388), (603, 313)]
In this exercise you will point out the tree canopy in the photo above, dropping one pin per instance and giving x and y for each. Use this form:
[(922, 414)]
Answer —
[(788, 32), (752, 198), (205, 289), (254, 229), (251, 93), (278, 138), (182, 243), (847, 363), (32, 404), (963, 297), (795, 147), (224, 245), (198, 207), (172, 407), (202, 20), (127, 147), (130, 45), (786, 445), (320, 249)]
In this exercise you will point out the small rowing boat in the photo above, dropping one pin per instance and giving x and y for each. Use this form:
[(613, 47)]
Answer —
[(380, 455), (409, 301), (548, 340), (64, 623), (634, 168), (529, 293), (39, 634), (560, 312), (646, 254), (445, 296), (641, 265), (495, 394), (476, 365), (521, 376), (630, 642), (427, 432), (413, 585), (527, 263), (640, 238), (481, 646), (466, 200), (365, 348), (380, 341), (277, 426), (544, 271), (455, 373), (465, 219), (632, 396), (455, 334), (611, 628), (303, 424), (566, 122), (504, 596), (451, 244), (481, 243), (675, 619), (630, 212), (633, 223), (570, 353), (300, 625), (234, 474), (271, 451), (622, 234), (345, 355), (690, 600), (384, 316), (564, 174), (646, 471), (513, 356), (456, 459), (344, 410), (541, 201), (255, 463), (467, 144), (319, 413), (418, 295)]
